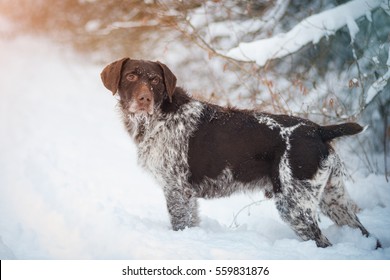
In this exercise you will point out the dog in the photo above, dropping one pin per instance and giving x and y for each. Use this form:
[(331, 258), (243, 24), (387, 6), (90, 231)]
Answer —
[(195, 149)]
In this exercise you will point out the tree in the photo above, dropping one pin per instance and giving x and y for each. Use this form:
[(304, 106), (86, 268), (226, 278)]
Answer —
[(329, 62)]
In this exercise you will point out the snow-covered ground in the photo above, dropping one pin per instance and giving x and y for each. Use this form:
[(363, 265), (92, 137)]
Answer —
[(70, 187)]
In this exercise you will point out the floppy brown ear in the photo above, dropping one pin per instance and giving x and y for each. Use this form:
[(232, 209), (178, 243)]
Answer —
[(111, 74), (169, 80)]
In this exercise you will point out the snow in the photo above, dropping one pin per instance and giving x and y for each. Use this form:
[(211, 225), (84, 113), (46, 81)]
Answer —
[(92, 25), (70, 187), (119, 24), (310, 30), (233, 29), (352, 27)]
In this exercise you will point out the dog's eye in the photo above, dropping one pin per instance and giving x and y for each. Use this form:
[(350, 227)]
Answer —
[(131, 77), (155, 80)]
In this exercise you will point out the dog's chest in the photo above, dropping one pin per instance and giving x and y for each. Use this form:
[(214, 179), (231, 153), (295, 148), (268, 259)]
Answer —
[(164, 149)]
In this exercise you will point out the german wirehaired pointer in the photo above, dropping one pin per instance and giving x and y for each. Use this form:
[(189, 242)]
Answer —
[(195, 149)]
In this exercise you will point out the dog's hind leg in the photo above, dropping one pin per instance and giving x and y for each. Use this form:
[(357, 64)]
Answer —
[(297, 207), (298, 200), (336, 203)]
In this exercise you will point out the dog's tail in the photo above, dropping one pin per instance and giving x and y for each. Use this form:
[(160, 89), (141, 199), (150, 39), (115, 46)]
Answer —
[(333, 131)]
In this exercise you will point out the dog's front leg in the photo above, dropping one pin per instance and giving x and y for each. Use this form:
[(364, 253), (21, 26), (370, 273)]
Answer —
[(182, 207)]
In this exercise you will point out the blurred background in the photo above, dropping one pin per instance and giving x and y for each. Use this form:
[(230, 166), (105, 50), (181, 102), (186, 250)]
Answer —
[(326, 82), (70, 186)]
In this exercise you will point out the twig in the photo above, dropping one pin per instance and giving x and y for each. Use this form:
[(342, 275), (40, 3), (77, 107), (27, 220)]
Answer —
[(234, 222)]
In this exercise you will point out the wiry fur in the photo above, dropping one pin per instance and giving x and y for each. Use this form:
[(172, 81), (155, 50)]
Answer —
[(195, 149), (161, 151)]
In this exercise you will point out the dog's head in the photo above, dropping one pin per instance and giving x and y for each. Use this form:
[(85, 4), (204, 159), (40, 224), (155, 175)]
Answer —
[(142, 85)]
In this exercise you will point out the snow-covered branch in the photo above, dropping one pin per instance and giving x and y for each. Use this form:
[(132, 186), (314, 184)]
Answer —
[(94, 27), (379, 84), (236, 28), (310, 30)]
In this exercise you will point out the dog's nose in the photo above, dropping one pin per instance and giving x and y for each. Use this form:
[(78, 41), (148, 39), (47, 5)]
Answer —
[(144, 98)]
